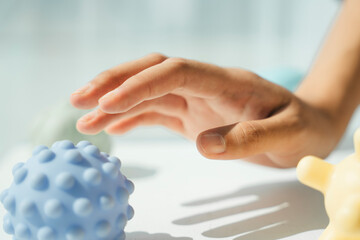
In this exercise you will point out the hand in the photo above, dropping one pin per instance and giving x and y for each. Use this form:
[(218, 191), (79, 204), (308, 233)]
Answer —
[(233, 113)]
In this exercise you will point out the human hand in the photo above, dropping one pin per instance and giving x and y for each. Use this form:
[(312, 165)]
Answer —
[(232, 113)]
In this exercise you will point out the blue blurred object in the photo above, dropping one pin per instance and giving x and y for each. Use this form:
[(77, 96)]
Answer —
[(68, 192), (287, 77)]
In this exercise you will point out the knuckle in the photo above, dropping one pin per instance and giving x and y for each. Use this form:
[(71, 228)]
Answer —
[(140, 77), (296, 120), (147, 85), (104, 76), (180, 66), (250, 134), (157, 57), (182, 105), (141, 118), (177, 103), (177, 63), (174, 124)]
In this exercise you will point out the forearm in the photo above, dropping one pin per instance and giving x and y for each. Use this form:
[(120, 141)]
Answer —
[(333, 84)]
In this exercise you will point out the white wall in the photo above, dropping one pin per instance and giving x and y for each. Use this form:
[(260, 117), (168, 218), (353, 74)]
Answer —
[(49, 48)]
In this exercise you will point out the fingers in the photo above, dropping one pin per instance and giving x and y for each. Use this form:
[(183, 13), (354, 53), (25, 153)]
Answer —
[(87, 97), (94, 122), (97, 120), (146, 119), (245, 139), (171, 75)]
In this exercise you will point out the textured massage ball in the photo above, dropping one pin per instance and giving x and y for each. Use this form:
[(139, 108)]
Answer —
[(68, 192)]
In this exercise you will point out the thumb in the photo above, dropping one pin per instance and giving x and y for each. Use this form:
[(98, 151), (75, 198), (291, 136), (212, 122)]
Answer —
[(239, 140)]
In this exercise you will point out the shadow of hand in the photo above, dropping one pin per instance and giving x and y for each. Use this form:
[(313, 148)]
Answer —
[(294, 208)]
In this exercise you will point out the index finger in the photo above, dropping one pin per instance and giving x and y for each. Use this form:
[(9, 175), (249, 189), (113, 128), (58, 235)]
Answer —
[(172, 75), (87, 97)]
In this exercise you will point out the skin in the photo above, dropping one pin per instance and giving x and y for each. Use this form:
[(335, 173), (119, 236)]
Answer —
[(233, 113)]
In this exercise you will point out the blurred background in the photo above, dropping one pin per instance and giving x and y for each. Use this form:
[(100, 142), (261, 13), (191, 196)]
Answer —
[(50, 48)]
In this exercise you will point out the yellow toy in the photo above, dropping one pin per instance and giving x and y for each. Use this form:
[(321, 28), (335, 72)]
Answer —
[(340, 185)]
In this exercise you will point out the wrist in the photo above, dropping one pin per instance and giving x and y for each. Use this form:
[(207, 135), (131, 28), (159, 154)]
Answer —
[(333, 102)]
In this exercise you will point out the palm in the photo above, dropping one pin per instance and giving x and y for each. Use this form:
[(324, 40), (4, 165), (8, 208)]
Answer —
[(201, 115)]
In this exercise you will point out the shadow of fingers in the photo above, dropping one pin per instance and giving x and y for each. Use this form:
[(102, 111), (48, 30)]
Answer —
[(222, 213), (271, 232), (249, 225)]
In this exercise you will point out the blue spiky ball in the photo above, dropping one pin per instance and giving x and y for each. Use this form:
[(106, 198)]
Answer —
[(68, 192)]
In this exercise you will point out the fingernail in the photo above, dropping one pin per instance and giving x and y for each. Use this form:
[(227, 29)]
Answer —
[(212, 143), (83, 90)]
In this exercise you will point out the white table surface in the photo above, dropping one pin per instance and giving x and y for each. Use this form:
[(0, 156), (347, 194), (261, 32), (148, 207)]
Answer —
[(181, 195)]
